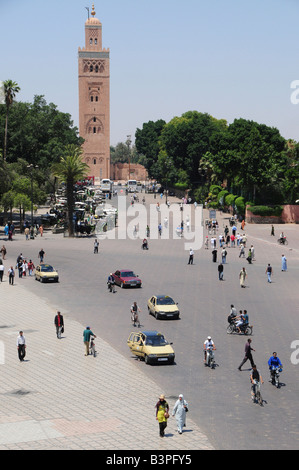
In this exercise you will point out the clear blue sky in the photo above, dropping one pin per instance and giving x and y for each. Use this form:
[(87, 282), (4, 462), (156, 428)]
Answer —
[(230, 58)]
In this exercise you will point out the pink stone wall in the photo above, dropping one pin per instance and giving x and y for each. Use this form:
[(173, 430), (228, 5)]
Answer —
[(290, 214)]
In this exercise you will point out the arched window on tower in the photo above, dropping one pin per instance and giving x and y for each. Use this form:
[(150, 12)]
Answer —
[(94, 130), (97, 68), (90, 41), (95, 41), (91, 68)]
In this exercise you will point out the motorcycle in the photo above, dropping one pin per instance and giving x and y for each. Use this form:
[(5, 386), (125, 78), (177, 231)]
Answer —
[(282, 241), (210, 358), (232, 328), (274, 375)]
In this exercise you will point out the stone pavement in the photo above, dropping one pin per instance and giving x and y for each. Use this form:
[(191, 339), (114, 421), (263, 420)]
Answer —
[(58, 399)]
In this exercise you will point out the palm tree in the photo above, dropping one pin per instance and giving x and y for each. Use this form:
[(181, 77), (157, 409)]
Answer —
[(70, 169), (10, 90)]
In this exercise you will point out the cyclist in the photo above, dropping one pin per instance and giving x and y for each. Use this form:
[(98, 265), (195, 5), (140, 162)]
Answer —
[(255, 376), (134, 314)]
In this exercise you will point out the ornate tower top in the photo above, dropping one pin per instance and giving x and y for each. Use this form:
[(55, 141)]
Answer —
[(93, 20)]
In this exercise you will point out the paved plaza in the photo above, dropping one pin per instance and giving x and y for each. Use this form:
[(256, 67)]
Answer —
[(60, 399)]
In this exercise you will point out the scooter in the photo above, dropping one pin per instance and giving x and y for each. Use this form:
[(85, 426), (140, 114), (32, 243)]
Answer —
[(274, 375), (210, 358), (232, 328), (111, 287)]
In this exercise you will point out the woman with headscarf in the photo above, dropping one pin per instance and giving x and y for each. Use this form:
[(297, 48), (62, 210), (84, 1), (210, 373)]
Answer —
[(179, 411), (162, 414)]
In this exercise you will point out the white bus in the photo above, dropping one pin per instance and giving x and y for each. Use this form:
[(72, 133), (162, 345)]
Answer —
[(132, 186), (106, 185)]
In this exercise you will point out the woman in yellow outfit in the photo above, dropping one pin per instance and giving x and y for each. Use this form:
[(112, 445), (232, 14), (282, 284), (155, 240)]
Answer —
[(162, 414)]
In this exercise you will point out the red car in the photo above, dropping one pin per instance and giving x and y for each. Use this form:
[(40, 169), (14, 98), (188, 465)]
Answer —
[(126, 278)]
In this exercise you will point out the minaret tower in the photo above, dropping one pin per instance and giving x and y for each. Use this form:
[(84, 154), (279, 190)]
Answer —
[(94, 99)]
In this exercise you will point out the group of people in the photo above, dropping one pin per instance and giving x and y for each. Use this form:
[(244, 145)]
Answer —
[(23, 266), (179, 412), (241, 320)]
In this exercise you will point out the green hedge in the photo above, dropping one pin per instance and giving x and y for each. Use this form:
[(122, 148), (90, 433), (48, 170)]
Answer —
[(215, 189), (221, 196), (213, 205), (266, 210), (230, 199), (181, 186), (240, 205)]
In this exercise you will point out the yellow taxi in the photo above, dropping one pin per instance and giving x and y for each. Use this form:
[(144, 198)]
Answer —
[(151, 346), (45, 273), (163, 306)]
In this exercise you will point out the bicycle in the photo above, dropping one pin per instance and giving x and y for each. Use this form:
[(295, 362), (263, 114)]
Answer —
[(92, 347), (256, 392)]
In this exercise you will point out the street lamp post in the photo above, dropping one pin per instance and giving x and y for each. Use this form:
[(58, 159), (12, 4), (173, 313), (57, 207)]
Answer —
[(31, 168), (128, 142)]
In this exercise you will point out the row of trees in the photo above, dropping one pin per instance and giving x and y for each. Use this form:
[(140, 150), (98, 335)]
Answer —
[(40, 146), (195, 150)]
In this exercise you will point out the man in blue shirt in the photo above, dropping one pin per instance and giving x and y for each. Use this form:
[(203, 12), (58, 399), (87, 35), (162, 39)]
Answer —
[(273, 362)]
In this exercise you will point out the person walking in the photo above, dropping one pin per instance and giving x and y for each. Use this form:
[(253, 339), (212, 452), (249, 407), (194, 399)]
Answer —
[(248, 355), (96, 246), (242, 277), (269, 272), (272, 231), (242, 251), (223, 255), (1, 271), (30, 267), (214, 255), (27, 233), (179, 411), (134, 314), (59, 323), (41, 255), (220, 271), (283, 263), (11, 275), (191, 256), (3, 252), (249, 256), (162, 414), (21, 346), (87, 333), (20, 267)]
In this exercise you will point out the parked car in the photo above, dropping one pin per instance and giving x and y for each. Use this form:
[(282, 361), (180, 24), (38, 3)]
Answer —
[(163, 306), (151, 346), (126, 278)]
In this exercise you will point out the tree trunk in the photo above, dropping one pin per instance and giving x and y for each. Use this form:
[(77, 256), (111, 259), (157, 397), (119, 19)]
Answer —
[(5, 134), (70, 207)]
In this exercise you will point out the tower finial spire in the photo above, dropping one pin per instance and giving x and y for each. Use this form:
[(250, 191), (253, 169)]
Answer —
[(93, 11)]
